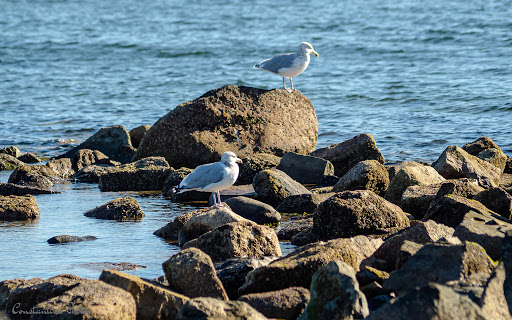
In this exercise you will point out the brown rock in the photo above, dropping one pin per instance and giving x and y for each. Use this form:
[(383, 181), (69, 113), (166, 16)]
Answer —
[(13, 151), (137, 133), (171, 230), (254, 163), (210, 308), (293, 226), (11, 189), (86, 157), (493, 302), (119, 209), (282, 304), (417, 199), (35, 176), (496, 199), (479, 145), (303, 203), (305, 169), (18, 208), (253, 210), (8, 286), (8, 162), (365, 175), (273, 186), (92, 173), (62, 167), (29, 158), (495, 157)]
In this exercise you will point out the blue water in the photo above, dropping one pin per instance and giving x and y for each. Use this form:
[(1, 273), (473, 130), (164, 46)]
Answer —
[(418, 75)]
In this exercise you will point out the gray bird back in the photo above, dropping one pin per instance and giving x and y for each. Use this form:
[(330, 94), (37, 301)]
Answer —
[(278, 62)]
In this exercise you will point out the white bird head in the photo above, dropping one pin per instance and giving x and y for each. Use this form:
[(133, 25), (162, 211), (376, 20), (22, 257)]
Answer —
[(307, 48), (229, 158)]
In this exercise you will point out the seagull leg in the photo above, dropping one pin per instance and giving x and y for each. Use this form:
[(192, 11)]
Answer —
[(214, 199), (219, 203), (293, 89), (284, 85)]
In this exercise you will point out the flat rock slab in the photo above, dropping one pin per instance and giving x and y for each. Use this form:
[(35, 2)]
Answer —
[(16, 208)]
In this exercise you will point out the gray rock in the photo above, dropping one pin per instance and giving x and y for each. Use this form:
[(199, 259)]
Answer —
[(406, 251), (153, 302), (232, 272), (253, 210), (16, 208), (39, 176), (254, 163), (479, 145), (192, 273), (8, 162), (394, 168), (113, 141), (305, 169), (353, 213), (496, 199), (456, 163), (143, 175), (417, 199), (137, 133), (493, 302), (62, 167), (430, 302), (421, 233), (29, 158), (304, 237), (11, 189), (273, 186), (282, 304), (231, 118), (92, 173), (237, 239), (303, 203), (464, 187), (440, 263), (86, 157), (119, 209), (293, 226), (472, 287), (411, 176), (347, 154), (12, 151), (215, 309), (173, 179), (170, 231), (335, 294), (68, 238), (365, 175), (495, 157)]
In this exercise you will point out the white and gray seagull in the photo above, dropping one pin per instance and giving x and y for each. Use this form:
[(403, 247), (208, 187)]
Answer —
[(289, 65), (212, 177)]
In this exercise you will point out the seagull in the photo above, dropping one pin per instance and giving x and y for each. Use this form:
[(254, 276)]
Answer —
[(212, 177), (289, 65)]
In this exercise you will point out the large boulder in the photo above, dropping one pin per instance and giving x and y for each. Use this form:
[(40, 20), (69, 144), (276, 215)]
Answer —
[(347, 154), (113, 141), (365, 175), (411, 176), (8, 286), (18, 208), (440, 262), (273, 186), (495, 157), (493, 300), (360, 212), (479, 145), (305, 169), (210, 308), (293, 226), (237, 239), (92, 173), (153, 302), (119, 209), (144, 175), (285, 304), (233, 118), (62, 167), (253, 210), (335, 294), (192, 273), (456, 163)]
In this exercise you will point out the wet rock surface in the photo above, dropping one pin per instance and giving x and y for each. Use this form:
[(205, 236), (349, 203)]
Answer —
[(119, 209)]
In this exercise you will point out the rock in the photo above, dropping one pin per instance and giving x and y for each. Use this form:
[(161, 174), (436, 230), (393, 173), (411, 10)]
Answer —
[(373, 290), (440, 263), (112, 141), (303, 203), (11, 189), (488, 235), (365, 175), (8, 162), (62, 167), (210, 308), (86, 157), (174, 178), (192, 273), (233, 118), (394, 168), (12, 151), (335, 294), (366, 247), (421, 233), (305, 169), (406, 251), (92, 173), (432, 301), (119, 209), (294, 226), (15, 208), (68, 238), (416, 199), (493, 302), (29, 158), (253, 210), (232, 272), (30, 293), (282, 304), (37, 175), (90, 300), (451, 210), (456, 163), (297, 268), (496, 199), (479, 145), (153, 302), (347, 154), (411, 176), (353, 213), (8, 286), (304, 237), (144, 175), (237, 239), (273, 186), (254, 163), (206, 220), (508, 166), (137, 133), (472, 287), (170, 231), (495, 157), (467, 188)]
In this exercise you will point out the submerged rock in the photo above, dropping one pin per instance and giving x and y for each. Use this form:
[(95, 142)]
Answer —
[(68, 238)]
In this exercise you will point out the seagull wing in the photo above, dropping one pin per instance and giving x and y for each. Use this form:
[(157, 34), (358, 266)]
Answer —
[(204, 175), (276, 63)]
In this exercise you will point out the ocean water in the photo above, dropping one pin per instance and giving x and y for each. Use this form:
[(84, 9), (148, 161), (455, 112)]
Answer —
[(418, 75)]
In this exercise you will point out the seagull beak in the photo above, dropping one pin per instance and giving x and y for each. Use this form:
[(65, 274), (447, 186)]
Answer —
[(238, 160), (315, 53)]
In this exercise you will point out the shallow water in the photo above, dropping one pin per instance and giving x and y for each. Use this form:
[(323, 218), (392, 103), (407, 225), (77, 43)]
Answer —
[(418, 75)]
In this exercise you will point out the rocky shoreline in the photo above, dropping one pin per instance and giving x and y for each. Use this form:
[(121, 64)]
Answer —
[(374, 240)]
